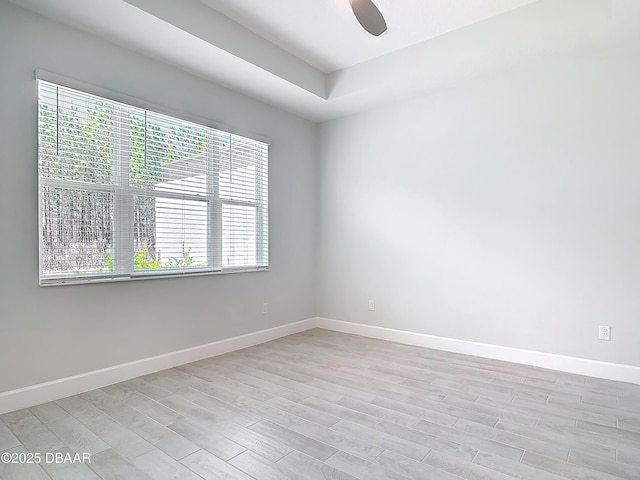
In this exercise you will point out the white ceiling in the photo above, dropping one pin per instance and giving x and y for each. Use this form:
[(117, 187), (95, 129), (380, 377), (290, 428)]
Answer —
[(326, 34), (312, 58)]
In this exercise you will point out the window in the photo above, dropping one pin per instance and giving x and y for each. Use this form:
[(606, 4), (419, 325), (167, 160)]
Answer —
[(126, 193)]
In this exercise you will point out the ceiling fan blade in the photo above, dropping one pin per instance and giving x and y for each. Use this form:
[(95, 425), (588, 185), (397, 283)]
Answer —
[(369, 16)]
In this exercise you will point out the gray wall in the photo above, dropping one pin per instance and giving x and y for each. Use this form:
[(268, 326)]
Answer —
[(505, 210), (50, 333)]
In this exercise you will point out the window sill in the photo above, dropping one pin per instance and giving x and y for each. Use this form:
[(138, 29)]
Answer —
[(60, 281)]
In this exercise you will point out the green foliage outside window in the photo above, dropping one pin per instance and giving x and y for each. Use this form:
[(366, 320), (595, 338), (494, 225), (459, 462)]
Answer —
[(77, 144)]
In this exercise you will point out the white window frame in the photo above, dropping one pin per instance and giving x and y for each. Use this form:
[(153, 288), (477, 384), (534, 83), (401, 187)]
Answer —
[(123, 192)]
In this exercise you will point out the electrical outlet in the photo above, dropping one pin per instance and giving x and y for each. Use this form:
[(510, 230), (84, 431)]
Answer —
[(265, 308), (604, 332), (372, 305)]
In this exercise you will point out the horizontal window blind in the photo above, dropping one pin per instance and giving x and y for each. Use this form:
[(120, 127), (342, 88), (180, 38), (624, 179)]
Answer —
[(128, 193)]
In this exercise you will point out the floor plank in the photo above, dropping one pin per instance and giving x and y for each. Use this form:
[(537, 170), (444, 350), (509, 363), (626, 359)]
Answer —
[(322, 405)]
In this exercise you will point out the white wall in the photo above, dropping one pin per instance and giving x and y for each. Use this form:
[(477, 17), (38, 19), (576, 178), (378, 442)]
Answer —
[(50, 333), (505, 210)]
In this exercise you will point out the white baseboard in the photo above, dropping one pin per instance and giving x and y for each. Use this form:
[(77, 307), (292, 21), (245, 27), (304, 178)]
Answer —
[(64, 387), (581, 366)]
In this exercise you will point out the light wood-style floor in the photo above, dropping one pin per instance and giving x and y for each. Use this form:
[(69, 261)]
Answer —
[(325, 405)]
